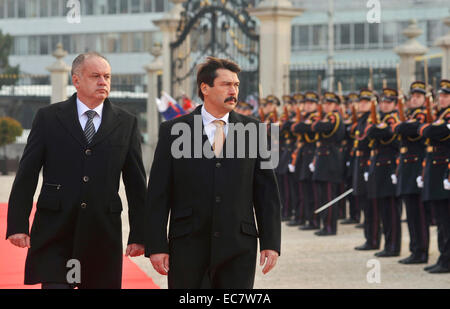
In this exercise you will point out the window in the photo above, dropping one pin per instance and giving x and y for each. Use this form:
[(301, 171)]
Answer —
[(43, 45), (389, 34), (32, 8), (2, 8), (112, 6), (303, 37), (33, 45), (20, 45), (159, 5), (433, 31), (21, 9), (88, 7), (147, 5), (135, 6), (54, 9), (344, 35), (11, 9), (124, 6), (137, 42), (319, 35), (124, 43), (374, 34), (111, 43), (44, 8), (359, 35), (65, 40)]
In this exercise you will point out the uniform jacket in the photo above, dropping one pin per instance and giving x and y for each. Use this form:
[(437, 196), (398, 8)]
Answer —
[(78, 212), (412, 152), (437, 157)]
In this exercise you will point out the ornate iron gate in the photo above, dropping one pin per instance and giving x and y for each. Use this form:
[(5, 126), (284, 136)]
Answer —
[(219, 28)]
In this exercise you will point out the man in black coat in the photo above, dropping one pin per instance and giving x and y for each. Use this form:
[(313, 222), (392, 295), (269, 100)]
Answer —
[(83, 145), (213, 195)]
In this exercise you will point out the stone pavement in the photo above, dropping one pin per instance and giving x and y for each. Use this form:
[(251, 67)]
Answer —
[(311, 262)]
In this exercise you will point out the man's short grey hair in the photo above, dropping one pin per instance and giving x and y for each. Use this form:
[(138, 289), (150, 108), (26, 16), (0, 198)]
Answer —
[(78, 61)]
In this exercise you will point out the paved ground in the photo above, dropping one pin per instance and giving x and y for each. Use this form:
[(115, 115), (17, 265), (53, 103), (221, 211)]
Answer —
[(310, 262)]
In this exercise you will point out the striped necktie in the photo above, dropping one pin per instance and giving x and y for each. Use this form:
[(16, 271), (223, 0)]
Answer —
[(89, 129)]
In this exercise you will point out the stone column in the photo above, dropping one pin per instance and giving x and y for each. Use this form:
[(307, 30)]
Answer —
[(275, 18), (444, 43), (153, 69), (59, 75), (407, 52), (168, 25)]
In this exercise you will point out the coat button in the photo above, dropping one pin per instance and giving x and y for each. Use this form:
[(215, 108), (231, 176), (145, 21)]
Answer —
[(88, 152), (85, 178), (83, 205), (218, 199), (218, 165)]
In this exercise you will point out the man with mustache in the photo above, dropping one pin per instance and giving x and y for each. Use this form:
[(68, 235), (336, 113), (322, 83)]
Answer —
[(84, 145), (212, 200)]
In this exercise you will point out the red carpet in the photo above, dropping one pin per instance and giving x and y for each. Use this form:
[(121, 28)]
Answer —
[(12, 264)]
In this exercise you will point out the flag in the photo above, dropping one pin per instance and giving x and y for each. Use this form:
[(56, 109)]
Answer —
[(168, 107), (188, 105)]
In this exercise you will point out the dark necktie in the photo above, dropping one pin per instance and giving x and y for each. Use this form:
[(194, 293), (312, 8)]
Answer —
[(89, 129)]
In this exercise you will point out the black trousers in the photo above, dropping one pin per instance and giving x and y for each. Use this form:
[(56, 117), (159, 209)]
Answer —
[(326, 191), (372, 231), (288, 194), (342, 208), (442, 209), (309, 201), (391, 208), (418, 218), (355, 207)]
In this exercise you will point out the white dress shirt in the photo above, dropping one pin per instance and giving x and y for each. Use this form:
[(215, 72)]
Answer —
[(82, 117), (210, 128)]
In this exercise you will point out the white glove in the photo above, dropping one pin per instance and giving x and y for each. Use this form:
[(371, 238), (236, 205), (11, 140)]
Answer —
[(291, 168), (311, 167), (347, 163), (394, 179), (419, 182), (446, 184), (448, 126), (366, 176)]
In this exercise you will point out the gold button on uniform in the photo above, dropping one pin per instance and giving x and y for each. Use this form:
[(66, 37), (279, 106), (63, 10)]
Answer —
[(83, 205)]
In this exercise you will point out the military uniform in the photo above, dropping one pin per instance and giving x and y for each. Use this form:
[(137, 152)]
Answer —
[(360, 166), (409, 167), (437, 159), (381, 190), (305, 157), (327, 170), (348, 155)]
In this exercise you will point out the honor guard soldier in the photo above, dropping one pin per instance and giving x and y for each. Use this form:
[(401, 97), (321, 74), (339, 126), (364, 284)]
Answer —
[(360, 167), (305, 157), (326, 167), (437, 159), (348, 154), (383, 154), (286, 178), (244, 108), (409, 167)]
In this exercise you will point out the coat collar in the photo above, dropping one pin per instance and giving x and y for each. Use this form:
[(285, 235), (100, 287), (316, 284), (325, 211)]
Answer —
[(67, 114)]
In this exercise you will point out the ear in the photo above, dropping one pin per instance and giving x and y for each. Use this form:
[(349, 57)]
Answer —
[(204, 88), (75, 80)]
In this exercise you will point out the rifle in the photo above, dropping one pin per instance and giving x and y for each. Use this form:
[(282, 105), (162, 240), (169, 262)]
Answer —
[(298, 115), (429, 112), (320, 111), (285, 116), (373, 112), (261, 114), (274, 116), (354, 115), (401, 108)]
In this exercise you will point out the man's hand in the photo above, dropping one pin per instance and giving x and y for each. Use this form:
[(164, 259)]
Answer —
[(135, 250), (20, 240), (270, 257), (160, 262)]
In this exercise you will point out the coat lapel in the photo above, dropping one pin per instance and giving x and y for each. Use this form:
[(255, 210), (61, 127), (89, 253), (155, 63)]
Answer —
[(110, 120), (68, 115)]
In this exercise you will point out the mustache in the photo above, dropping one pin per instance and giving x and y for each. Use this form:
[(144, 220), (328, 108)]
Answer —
[(231, 98)]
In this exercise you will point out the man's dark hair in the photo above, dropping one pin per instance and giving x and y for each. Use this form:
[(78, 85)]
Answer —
[(206, 72), (78, 61)]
